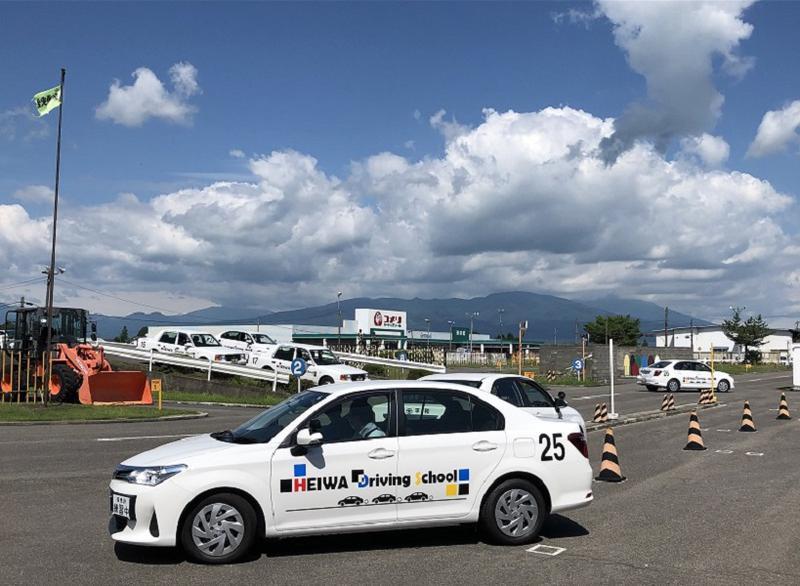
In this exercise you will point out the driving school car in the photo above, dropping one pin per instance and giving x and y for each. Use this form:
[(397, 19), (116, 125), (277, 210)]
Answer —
[(354, 457), (675, 375)]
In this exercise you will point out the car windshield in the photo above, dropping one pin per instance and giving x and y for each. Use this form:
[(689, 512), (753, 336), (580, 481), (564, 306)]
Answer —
[(263, 339), (204, 340), (662, 364), (267, 424), (324, 357)]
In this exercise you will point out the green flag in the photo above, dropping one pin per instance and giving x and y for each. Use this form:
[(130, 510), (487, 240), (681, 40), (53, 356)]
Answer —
[(47, 100)]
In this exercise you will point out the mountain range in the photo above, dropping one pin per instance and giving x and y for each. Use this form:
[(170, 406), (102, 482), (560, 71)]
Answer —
[(549, 317)]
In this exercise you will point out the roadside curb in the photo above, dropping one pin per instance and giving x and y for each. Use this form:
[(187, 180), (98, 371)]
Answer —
[(647, 416), (215, 404), (197, 415)]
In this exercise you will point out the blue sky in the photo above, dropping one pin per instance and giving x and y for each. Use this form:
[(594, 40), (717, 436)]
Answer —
[(343, 83)]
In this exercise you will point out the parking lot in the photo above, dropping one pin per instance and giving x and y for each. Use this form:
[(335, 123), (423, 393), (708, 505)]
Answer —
[(724, 515)]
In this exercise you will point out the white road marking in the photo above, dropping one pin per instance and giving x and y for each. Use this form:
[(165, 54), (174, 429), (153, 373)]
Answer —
[(723, 430), (723, 451), (756, 380), (590, 397), (754, 453), (546, 549), (139, 437)]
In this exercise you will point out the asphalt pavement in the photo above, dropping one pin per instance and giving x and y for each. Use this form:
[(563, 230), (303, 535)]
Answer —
[(726, 515)]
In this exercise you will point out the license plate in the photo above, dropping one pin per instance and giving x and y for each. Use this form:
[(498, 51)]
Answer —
[(122, 505)]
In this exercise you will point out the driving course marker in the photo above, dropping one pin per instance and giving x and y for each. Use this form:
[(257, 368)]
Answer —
[(695, 441), (747, 419)]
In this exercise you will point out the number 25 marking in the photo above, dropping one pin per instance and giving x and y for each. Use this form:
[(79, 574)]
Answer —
[(558, 447)]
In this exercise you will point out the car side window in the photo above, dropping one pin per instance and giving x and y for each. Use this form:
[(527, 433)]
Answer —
[(302, 353), (682, 366), (437, 412), (183, 339), (284, 353), (700, 367), (505, 389), (168, 337), (227, 335), (533, 394), (356, 418)]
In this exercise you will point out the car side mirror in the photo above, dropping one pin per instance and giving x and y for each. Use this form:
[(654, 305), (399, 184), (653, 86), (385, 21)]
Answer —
[(94, 328), (560, 400), (306, 437), (93, 337)]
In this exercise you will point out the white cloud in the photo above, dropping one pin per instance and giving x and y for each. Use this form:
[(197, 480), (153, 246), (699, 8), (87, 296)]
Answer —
[(777, 130), (521, 201), (450, 129), (147, 97), (20, 122), (237, 153), (410, 145), (673, 45), (35, 194), (711, 150)]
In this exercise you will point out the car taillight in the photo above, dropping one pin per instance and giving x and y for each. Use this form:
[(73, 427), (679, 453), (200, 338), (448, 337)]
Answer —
[(218, 358), (577, 440), (656, 372)]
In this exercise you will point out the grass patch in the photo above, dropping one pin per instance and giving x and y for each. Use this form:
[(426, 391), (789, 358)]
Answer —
[(193, 397), (755, 368), (55, 412), (567, 380)]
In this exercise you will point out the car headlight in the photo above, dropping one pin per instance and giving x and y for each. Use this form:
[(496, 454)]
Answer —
[(147, 475)]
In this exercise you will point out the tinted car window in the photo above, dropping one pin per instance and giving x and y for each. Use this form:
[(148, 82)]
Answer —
[(356, 418), (683, 366), (662, 364), (533, 395), (284, 354), (437, 412), (700, 367), (183, 339), (168, 337), (505, 389)]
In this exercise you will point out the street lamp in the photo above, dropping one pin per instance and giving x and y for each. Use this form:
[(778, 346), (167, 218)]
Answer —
[(339, 323), (451, 323), (471, 317), (428, 323), (500, 312)]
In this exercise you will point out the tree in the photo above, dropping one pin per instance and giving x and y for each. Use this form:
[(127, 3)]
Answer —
[(623, 329), (123, 337), (746, 333)]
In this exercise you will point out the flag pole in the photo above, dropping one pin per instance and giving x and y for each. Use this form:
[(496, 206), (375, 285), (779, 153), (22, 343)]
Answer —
[(51, 271)]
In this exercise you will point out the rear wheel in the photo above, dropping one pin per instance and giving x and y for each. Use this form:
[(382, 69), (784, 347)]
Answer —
[(673, 386), (64, 384), (723, 386), (220, 529), (513, 512), (326, 380)]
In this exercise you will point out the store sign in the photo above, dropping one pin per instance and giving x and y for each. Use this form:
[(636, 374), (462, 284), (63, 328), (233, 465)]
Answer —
[(383, 321), (388, 319), (459, 334)]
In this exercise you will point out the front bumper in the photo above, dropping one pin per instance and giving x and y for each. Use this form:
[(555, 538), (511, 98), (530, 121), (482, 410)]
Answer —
[(157, 512)]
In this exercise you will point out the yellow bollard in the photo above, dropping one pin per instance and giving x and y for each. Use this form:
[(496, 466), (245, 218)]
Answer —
[(27, 377), (155, 386), (19, 375)]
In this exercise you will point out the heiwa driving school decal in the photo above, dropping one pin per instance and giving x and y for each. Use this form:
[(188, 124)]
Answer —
[(455, 482)]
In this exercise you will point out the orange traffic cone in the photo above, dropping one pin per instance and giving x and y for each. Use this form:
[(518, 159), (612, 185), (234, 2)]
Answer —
[(665, 403), (695, 437), (747, 419), (609, 466), (783, 408)]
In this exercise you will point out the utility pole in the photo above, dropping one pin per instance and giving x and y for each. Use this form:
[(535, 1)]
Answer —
[(523, 326), (576, 331), (666, 320), (555, 336), (691, 334), (471, 315), (500, 312), (428, 323), (606, 320), (451, 323), (339, 323)]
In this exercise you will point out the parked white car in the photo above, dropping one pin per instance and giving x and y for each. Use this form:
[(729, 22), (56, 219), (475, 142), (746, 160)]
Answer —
[(674, 375), (247, 341), (323, 367), (520, 391), (192, 343), (351, 458)]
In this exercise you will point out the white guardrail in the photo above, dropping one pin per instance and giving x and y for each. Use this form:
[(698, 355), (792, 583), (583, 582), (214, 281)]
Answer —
[(361, 358), (127, 351)]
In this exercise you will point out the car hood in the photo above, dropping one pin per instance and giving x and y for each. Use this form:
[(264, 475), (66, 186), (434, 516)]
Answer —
[(179, 452)]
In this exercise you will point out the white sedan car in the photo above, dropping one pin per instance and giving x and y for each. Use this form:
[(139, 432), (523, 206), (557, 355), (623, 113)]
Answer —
[(520, 391), (354, 457), (674, 375)]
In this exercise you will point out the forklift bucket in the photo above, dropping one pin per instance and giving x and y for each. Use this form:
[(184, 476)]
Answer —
[(116, 388)]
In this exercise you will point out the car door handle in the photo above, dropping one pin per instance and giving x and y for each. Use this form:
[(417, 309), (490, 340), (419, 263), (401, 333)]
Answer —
[(381, 454), (484, 446)]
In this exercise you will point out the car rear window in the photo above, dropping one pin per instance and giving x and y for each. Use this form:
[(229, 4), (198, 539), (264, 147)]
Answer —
[(475, 384), (662, 364)]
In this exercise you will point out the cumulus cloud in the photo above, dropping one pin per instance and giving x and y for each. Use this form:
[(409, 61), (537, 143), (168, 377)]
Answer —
[(777, 130), (34, 194), (674, 45), (147, 97), (711, 150), (521, 201), (237, 153), (450, 129)]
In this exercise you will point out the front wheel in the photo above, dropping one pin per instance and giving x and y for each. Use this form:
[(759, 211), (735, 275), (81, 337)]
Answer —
[(673, 386), (513, 512), (723, 386), (326, 380), (220, 529)]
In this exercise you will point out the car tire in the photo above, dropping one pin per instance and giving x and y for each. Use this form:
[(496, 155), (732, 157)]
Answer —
[(673, 386), (652, 388), (513, 512), (326, 380), (723, 386), (237, 537)]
